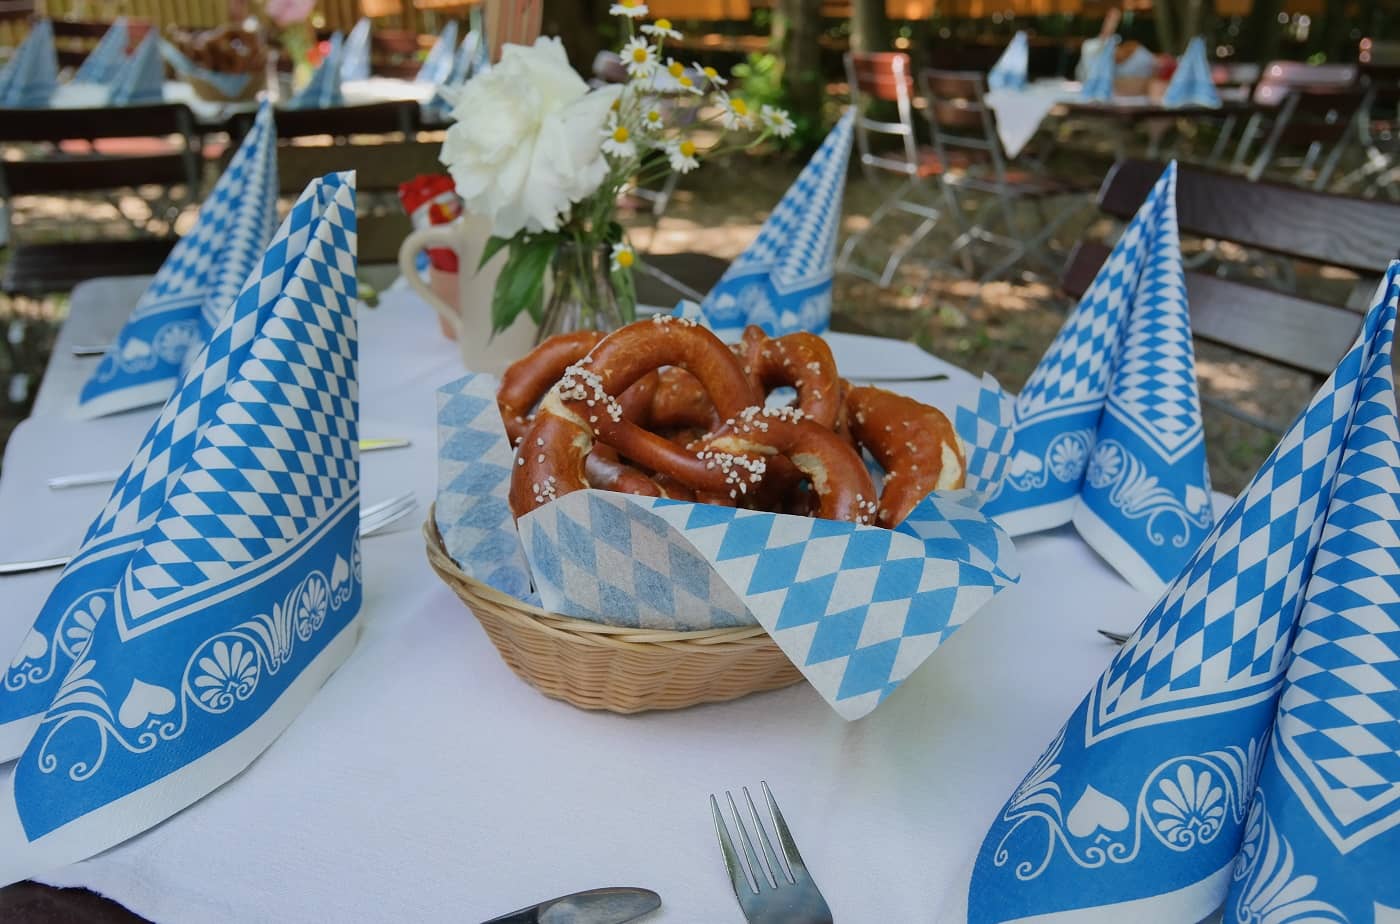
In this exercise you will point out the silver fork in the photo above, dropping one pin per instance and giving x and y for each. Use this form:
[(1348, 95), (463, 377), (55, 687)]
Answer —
[(1117, 638), (768, 892), (373, 519)]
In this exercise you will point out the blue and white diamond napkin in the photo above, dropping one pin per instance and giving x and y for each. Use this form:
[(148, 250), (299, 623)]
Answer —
[(141, 77), (437, 67), (1191, 83), (30, 77), (323, 90), (1098, 85), (220, 585), (1150, 805), (782, 282), (354, 58), (1322, 837), (230, 85), (106, 58), (1108, 428), (195, 286), (469, 61), (1012, 69), (856, 608)]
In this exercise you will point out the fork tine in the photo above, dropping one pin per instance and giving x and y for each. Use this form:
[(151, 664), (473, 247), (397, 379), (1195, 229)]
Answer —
[(766, 843), (760, 873), (794, 859), (737, 877)]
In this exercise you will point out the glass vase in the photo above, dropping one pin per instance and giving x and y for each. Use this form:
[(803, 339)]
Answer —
[(582, 296)]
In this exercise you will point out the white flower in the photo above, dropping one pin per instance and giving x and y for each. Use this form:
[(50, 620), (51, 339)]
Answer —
[(527, 141), (682, 156), (640, 57), (776, 121), (634, 9), (617, 140), (735, 113), (682, 78), (623, 256), (652, 121), (711, 75), (661, 29)]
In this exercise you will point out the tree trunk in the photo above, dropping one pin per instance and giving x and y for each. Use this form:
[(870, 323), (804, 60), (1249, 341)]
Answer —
[(1262, 27), (870, 27), (796, 29), (1191, 25), (1165, 15)]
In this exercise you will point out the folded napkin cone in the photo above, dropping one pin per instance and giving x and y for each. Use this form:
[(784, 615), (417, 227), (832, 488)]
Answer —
[(220, 584), (1243, 741)]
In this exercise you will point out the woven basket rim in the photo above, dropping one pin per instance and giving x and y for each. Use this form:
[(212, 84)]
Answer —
[(581, 630)]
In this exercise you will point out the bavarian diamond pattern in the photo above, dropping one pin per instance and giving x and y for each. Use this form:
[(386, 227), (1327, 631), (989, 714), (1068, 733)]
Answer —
[(141, 77), (30, 77), (1337, 743), (103, 62), (856, 608), (1098, 86), (171, 691), (323, 90), (472, 512), (1191, 83), (986, 432), (599, 556), (1250, 724), (437, 67), (196, 284), (782, 282), (354, 61), (319, 227)]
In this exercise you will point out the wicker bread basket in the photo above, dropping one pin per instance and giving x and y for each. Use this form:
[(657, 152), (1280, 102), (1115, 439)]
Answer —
[(210, 93), (619, 669)]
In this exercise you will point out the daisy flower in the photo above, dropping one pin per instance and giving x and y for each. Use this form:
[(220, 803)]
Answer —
[(634, 9), (682, 156), (623, 256), (777, 121), (735, 112), (617, 141), (661, 29), (711, 75), (652, 121), (640, 58)]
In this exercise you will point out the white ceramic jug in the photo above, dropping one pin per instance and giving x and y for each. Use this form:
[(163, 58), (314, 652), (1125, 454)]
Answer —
[(467, 316)]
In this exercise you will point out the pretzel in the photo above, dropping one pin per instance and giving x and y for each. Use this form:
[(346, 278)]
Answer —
[(837, 476), (914, 443), (527, 380), (583, 407), (799, 360)]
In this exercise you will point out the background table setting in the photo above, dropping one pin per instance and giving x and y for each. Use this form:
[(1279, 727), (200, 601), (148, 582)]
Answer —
[(276, 681)]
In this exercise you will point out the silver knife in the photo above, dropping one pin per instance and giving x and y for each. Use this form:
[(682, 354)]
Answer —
[(596, 906)]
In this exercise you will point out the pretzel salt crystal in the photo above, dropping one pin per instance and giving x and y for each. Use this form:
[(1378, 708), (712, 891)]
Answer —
[(914, 443)]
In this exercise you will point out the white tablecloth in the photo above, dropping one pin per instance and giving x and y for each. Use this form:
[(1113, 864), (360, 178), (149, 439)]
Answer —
[(427, 783)]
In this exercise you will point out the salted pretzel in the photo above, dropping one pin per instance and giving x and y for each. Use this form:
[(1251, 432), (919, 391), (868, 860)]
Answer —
[(801, 361), (526, 381), (583, 407), (841, 486), (915, 444)]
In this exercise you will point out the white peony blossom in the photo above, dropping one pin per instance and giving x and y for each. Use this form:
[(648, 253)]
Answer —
[(527, 141)]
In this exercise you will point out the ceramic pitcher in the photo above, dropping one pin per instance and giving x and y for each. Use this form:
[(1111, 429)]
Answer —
[(463, 300)]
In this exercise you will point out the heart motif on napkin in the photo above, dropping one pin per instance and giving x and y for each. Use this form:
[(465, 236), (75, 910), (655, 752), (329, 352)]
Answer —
[(34, 647), (1093, 811), (143, 701)]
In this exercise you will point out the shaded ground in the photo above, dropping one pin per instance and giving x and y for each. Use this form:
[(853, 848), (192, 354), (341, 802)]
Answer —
[(1003, 328)]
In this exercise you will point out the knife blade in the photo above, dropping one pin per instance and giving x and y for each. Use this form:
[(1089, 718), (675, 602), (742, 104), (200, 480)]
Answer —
[(595, 906)]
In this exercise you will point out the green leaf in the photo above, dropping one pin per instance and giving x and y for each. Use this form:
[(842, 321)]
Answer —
[(520, 287), (493, 247), (626, 290)]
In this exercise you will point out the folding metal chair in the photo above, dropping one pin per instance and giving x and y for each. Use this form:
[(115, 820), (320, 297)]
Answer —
[(1309, 106), (885, 78), (964, 134), (1378, 124)]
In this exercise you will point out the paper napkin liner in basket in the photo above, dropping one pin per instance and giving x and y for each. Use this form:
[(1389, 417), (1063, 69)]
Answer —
[(856, 608)]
